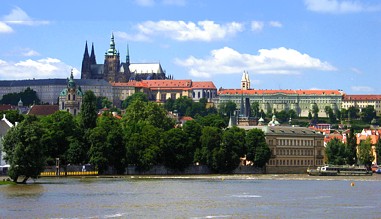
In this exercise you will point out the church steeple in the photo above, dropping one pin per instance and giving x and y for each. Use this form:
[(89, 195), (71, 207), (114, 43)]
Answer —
[(93, 61), (112, 51), (86, 71), (128, 56)]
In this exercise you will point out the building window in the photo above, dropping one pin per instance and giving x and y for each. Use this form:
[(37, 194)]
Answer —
[(68, 97)]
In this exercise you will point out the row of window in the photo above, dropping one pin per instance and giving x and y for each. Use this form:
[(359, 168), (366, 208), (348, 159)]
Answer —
[(293, 142), (295, 152), (309, 162)]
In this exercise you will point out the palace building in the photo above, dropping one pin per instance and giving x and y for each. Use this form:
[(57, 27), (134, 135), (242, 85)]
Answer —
[(302, 101), (362, 101), (114, 70)]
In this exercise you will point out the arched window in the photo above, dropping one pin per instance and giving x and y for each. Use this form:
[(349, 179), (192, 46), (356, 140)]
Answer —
[(73, 96), (68, 97)]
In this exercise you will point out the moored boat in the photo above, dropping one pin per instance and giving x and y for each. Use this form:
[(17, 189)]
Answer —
[(340, 171)]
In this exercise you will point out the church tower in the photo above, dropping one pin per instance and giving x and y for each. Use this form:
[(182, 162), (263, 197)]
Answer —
[(93, 61), (70, 98), (245, 81), (112, 62), (86, 65)]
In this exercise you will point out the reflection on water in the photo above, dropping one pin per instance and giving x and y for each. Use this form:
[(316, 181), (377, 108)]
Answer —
[(268, 196)]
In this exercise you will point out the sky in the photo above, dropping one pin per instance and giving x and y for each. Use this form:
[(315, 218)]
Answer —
[(293, 44)]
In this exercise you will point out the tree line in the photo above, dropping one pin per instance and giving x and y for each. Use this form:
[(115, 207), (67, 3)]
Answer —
[(349, 153), (144, 137)]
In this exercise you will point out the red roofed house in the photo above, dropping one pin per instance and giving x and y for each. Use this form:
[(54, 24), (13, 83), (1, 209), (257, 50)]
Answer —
[(43, 110)]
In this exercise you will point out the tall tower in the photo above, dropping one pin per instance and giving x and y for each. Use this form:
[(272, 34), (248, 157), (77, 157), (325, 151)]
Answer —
[(86, 64), (70, 98), (93, 61), (245, 81), (112, 62)]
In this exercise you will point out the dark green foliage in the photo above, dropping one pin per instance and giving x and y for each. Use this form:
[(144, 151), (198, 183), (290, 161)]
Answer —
[(183, 105), (365, 156), (214, 120), (227, 157), (89, 112), (335, 152), (59, 130), (177, 153), (368, 113), (378, 150), (228, 108), (24, 150), (28, 97), (143, 145), (210, 140), (107, 145), (103, 102), (257, 149), (136, 96), (13, 116), (351, 148)]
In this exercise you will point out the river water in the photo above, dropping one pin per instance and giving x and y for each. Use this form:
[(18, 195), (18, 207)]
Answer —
[(242, 196)]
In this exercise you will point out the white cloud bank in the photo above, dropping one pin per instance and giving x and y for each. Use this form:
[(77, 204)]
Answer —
[(18, 17), (267, 61), (339, 6), (151, 3), (183, 31), (364, 89), (38, 69)]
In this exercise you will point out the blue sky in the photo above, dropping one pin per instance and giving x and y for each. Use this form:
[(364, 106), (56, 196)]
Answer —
[(295, 44)]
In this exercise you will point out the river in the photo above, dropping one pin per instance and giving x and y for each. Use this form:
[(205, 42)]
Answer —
[(216, 196)]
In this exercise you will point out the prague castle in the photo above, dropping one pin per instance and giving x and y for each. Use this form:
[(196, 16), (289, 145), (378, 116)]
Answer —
[(113, 70)]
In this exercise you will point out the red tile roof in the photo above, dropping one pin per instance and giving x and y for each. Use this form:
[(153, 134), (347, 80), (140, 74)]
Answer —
[(6, 107), (362, 97), (43, 110), (168, 84), (268, 92)]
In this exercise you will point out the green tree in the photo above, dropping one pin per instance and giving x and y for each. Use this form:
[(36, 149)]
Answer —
[(353, 112), (28, 97), (257, 149), (98, 149), (177, 154), (255, 109), (228, 108), (148, 112), (368, 113), (59, 129), (24, 150), (193, 130), (351, 147), (136, 96), (309, 115), (13, 116), (293, 114), (183, 105), (210, 140), (214, 120), (315, 112), (89, 112), (378, 150), (335, 152), (365, 152), (169, 105), (227, 157), (103, 102), (143, 145)]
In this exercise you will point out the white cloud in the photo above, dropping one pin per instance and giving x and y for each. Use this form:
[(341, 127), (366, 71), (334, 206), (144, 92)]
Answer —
[(4, 28), (184, 31), (339, 6), (145, 3), (257, 25), (175, 2), (18, 16), (361, 89), (132, 37), (275, 24), (356, 70), (267, 61), (38, 69), (29, 52)]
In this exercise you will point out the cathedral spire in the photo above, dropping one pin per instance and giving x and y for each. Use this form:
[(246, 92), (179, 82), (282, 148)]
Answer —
[(93, 61), (128, 56), (86, 69)]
